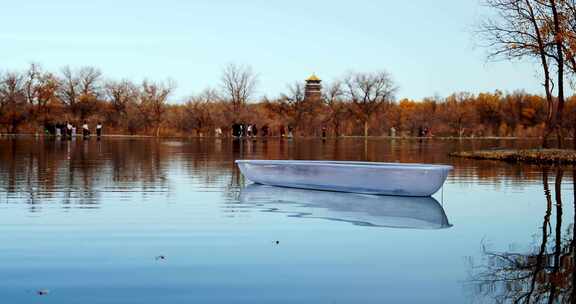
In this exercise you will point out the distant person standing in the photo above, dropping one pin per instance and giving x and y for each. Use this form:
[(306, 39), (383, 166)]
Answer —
[(58, 129), (249, 130), (74, 131), (254, 130), (62, 128), (48, 127), (85, 129), (99, 129), (420, 132), (69, 130), (235, 130)]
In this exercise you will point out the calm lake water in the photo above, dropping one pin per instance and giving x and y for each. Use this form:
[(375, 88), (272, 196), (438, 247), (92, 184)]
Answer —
[(170, 221)]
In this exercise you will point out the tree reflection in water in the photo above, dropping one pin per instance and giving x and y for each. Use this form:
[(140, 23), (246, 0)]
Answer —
[(75, 173), (84, 174), (546, 274)]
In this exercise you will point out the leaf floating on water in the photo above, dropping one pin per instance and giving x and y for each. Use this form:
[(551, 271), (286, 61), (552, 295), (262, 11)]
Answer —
[(42, 292), (160, 257)]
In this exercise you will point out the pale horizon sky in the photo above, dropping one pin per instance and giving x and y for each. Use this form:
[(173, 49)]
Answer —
[(427, 46)]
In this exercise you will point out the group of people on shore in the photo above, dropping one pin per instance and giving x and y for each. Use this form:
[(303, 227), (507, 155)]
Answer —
[(69, 130), (249, 130)]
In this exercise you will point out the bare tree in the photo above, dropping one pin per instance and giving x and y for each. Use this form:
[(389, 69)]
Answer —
[(31, 83), (119, 94), (369, 92), (333, 97), (238, 83), (295, 110), (568, 11), (566, 21), (89, 81), (296, 106), (45, 91), (558, 34), (152, 101), (90, 91), (80, 90), (13, 106), (68, 89), (196, 114), (208, 95), (531, 28), (40, 90)]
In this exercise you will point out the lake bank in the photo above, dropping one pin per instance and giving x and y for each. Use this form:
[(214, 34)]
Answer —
[(537, 156), (305, 137)]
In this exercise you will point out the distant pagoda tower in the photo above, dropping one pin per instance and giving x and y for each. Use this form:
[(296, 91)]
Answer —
[(313, 89)]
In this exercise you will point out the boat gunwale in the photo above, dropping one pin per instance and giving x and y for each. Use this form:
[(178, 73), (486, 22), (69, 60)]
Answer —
[(360, 164)]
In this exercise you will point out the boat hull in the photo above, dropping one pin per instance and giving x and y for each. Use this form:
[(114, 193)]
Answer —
[(356, 177)]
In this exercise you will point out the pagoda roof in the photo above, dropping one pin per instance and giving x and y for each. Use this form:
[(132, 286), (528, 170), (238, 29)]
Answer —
[(313, 77)]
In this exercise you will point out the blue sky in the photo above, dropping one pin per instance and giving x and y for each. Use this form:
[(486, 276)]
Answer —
[(427, 46)]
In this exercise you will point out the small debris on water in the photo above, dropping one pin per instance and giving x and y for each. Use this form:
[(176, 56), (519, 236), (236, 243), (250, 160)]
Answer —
[(160, 257), (42, 292), (276, 242)]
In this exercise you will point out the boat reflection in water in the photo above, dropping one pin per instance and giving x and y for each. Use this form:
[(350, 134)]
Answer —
[(358, 209)]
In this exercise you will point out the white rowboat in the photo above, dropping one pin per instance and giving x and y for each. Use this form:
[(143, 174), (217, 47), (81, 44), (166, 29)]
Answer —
[(344, 176)]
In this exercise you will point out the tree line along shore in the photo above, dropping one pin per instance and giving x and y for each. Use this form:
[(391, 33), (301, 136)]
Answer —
[(357, 104)]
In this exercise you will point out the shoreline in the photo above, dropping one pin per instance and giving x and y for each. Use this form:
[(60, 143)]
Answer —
[(532, 156), (279, 137)]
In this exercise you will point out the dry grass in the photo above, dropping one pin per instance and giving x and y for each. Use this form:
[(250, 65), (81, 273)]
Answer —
[(539, 156)]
